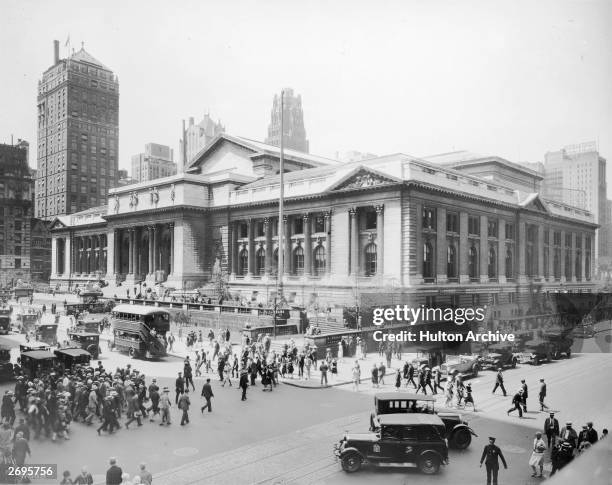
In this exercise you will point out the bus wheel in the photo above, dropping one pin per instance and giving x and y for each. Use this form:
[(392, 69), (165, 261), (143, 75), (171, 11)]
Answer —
[(132, 353)]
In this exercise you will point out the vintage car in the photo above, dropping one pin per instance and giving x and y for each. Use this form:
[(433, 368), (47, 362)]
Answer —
[(36, 362), (5, 319), (90, 323), (27, 320), (70, 356), (498, 355), (535, 352), (89, 341), (7, 371), (560, 344), (457, 431), (46, 332), (460, 364), (402, 440)]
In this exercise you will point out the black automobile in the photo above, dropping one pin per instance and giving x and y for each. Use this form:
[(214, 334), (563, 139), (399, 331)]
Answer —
[(497, 356), (88, 341), (457, 431), (402, 440), (36, 362), (7, 371), (70, 357)]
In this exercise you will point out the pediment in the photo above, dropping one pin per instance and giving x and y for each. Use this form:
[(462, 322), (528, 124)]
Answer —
[(534, 203), (364, 178), (57, 224)]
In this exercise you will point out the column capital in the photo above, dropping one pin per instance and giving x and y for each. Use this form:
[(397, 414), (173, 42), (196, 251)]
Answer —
[(306, 216), (170, 225), (352, 211), (285, 219), (327, 214), (380, 208), (266, 221)]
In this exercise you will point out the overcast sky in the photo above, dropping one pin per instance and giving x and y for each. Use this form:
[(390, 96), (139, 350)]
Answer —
[(513, 78)]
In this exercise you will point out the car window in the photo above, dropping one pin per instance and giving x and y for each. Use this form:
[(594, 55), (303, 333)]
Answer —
[(410, 433), (391, 433)]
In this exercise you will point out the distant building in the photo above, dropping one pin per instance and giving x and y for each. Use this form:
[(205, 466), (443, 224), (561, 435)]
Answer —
[(353, 156), (125, 179), (16, 187), (576, 175), (198, 137), (78, 135), (157, 161), (40, 251), (294, 131)]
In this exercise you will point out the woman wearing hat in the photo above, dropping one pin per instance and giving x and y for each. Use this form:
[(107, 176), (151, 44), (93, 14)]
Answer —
[(537, 456)]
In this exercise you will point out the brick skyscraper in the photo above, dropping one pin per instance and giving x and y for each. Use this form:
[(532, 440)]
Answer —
[(295, 133), (78, 135)]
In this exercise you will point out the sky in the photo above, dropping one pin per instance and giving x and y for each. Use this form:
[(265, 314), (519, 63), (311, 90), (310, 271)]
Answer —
[(508, 78)]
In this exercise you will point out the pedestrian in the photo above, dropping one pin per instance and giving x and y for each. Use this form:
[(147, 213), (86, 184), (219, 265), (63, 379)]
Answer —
[(517, 401), (491, 455), (568, 434), (551, 429), (66, 480), (356, 373), (145, 475), (381, 373), (411, 376), (524, 395), (207, 394), (537, 455), (183, 405), (308, 364), (21, 448), (437, 377), (324, 367), (179, 385), (114, 473), (226, 374), (188, 375), (374, 375), (244, 383), (499, 382), (542, 395), (468, 397), (164, 404), (421, 382), (591, 434), (334, 370), (85, 478), (398, 380), (604, 434)]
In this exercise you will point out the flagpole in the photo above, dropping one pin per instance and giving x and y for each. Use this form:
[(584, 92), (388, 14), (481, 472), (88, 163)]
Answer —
[(281, 226)]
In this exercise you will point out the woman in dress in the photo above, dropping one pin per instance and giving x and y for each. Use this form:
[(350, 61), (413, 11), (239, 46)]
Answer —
[(334, 370), (537, 456), (398, 380), (341, 349), (356, 371)]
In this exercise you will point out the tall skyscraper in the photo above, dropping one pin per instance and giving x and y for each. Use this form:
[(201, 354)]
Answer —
[(78, 134), (295, 133), (198, 136), (576, 175), (154, 163), (15, 213)]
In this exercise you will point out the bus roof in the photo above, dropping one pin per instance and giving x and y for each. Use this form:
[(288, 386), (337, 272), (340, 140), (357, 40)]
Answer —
[(138, 309)]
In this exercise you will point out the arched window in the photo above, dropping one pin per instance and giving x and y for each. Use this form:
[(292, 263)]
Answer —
[(370, 259), (509, 264), (244, 262), (319, 261), (428, 260), (260, 261), (492, 262), (451, 261), (298, 261), (473, 262)]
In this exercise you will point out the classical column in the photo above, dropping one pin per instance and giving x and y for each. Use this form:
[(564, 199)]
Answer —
[(171, 230), (501, 250), (328, 242), (563, 250), (54, 268), (155, 249), (573, 257), (583, 256), (307, 247), (540, 253), (68, 256), (233, 249), (88, 245), (551, 255), (463, 247), (522, 236), (269, 251), (380, 240), (251, 246), (151, 230), (287, 248), (484, 249), (354, 242), (117, 255), (131, 252)]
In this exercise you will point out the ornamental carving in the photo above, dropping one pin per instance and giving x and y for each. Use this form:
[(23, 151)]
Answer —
[(364, 179), (116, 204), (154, 195), (133, 199), (172, 192)]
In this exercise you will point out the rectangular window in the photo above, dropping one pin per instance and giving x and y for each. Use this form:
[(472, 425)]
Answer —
[(452, 222), (319, 224), (568, 240), (546, 236), (509, 230), (370, 220), (429, 218), (557, 238), (244, 230), (298, 227), (474, 225), (493, 228)]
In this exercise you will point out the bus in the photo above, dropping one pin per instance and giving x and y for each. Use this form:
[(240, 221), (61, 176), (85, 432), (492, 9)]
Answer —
[(139, 330)]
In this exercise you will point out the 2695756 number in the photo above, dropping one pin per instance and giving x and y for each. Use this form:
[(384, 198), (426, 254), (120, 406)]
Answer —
[(33, 471)]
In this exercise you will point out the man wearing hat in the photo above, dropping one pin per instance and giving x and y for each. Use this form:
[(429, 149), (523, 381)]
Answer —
[(542, 395), (517, 400), (491, 455), (164, 405), (8, 407), (551, 429), (524, 395), (179, 385), (499, 382), (569, 434), (591, 434)]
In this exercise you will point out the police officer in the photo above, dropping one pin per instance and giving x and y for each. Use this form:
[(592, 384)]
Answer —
[(551, 429), (490, 456), (499, 382)]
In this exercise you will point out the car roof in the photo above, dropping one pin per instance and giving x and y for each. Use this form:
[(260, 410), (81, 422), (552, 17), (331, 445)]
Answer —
[(409, 419), (38, 354), (394, 396), (72, 351), (85, 334), (138, 309)]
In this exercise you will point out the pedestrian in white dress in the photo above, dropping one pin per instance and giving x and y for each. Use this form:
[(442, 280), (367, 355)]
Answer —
[(537, 456), (356, 371), (340, 350)]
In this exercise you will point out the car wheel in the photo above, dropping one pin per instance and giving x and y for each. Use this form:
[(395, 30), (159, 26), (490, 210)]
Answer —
[(132, 353), (351, 462), (429, 464), (461, 439)]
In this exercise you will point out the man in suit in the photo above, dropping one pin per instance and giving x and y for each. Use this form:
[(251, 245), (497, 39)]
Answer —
[(491, 455), (207, 394), (525, 394), (591, 433), (517, 400), (179, 386), (499, 382), (183, 405), (542, 395), (569, 434), (113, 474), (551, 429)]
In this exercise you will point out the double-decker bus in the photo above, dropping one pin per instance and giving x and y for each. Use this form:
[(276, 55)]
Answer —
[(139, 330)]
